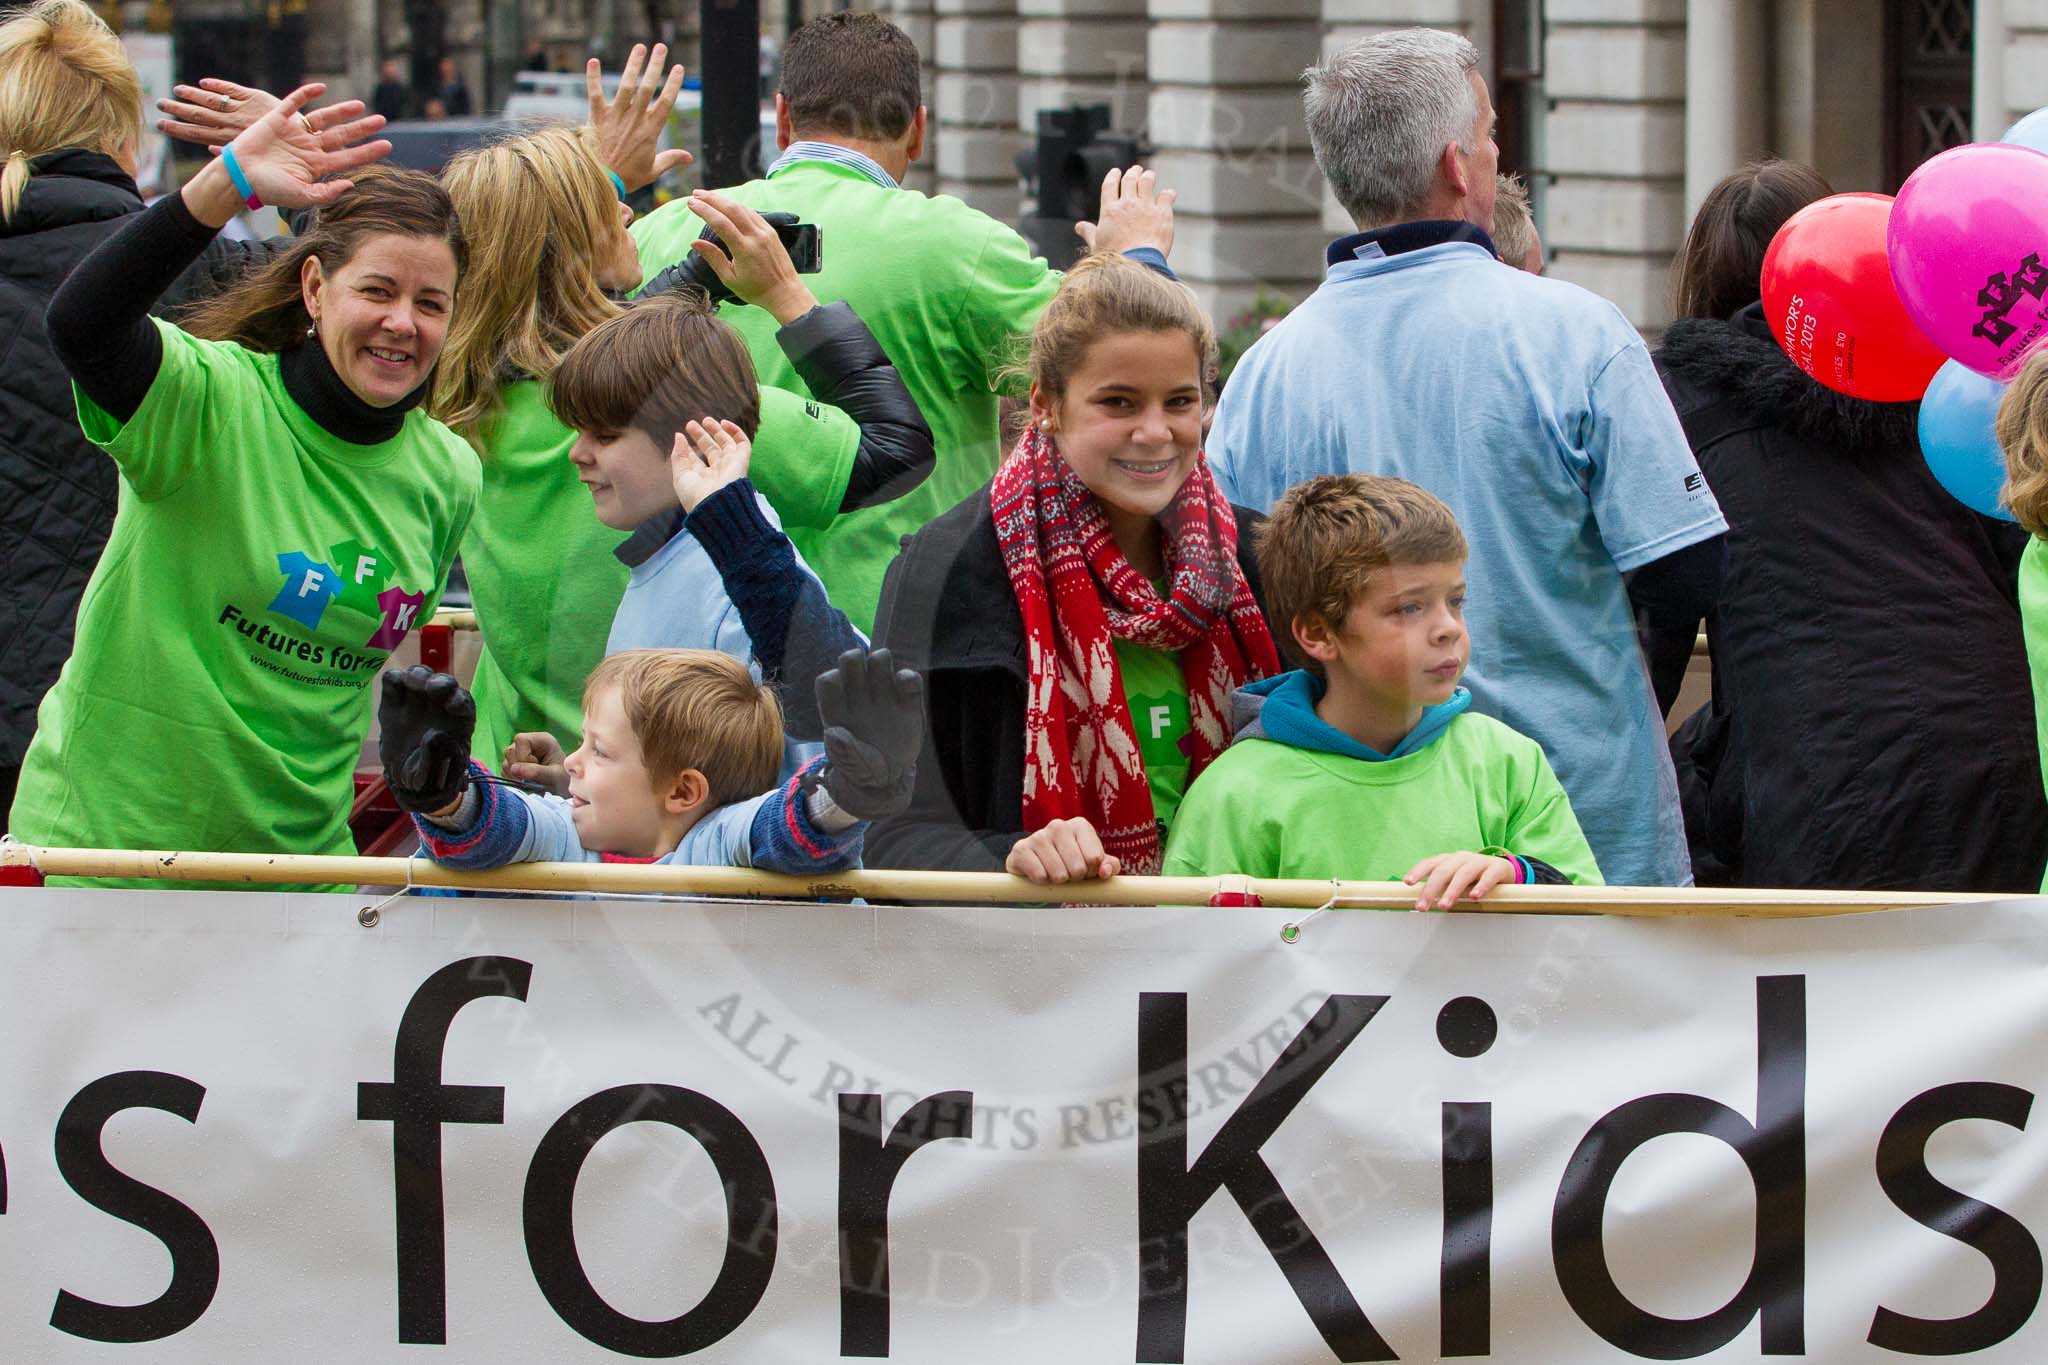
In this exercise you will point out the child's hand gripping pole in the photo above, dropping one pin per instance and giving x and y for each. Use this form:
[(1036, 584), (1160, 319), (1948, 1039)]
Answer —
[(873, 714)]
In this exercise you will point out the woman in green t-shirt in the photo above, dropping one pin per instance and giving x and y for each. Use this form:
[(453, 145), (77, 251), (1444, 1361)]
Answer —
[(549, 260), (286, 515)]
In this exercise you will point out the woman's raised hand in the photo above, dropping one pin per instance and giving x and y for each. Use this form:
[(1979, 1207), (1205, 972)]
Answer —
[(286, 155), (754, 265), (212, 112), (629, 124)]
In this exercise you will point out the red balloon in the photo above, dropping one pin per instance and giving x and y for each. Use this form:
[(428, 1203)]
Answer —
[(1829, 297)]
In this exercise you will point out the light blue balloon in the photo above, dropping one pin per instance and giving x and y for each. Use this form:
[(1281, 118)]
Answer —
[(2031, 131), (1959, 436)]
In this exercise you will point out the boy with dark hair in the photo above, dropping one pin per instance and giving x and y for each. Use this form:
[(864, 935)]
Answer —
[(664, 404), (1366, 764), (678, 765)]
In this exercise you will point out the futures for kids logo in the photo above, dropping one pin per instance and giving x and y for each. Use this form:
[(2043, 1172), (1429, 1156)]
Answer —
[(353, 576)]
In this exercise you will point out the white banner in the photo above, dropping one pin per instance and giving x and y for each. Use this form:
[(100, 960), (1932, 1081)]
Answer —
[(241, 1128)]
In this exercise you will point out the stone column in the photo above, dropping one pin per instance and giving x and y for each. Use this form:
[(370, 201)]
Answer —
[(2023, 86), (974, 104), (1225, 116), (1614, 145), (1081, 52), (1726, 124), (914, 17)]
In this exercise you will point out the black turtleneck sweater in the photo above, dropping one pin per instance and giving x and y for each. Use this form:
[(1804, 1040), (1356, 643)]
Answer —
[(100, 328)]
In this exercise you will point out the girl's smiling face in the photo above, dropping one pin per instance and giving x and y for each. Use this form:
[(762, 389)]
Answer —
[(1130, 421)]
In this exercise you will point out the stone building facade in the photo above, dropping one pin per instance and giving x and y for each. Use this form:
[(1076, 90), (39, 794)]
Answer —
[(1621, 112)]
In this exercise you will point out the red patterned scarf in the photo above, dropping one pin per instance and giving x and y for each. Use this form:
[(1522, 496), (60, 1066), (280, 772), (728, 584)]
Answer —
[(1077, 593)]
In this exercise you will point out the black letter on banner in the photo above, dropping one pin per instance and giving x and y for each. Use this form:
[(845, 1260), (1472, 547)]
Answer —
[(1775, 1152), (3, 1182), (1170, 1192), (416, 1104), (1466, 1027), (195, 1258), (751, 1222), (2015, 1258), (867, 1173)]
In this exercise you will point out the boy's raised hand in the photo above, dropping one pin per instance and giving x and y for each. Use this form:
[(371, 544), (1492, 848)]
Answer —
[(536, 756), (873, 714), (1450, 877), (424, 724), (1062, 851), (706, 457)]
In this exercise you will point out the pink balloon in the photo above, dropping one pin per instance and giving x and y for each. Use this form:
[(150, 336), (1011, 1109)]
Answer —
[(1969, 253)]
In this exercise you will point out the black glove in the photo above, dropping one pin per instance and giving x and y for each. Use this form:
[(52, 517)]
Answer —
[(873, 714), (424, 724)]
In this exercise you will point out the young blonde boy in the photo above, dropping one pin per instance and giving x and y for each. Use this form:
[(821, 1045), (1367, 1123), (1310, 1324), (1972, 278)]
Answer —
[(1366, 763), (678, 764)]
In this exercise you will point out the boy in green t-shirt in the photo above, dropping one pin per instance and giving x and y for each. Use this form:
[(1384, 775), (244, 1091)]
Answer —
[(1366, 764)]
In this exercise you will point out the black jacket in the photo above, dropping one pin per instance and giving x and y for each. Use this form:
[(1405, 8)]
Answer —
[(948, 611), (1872, 723), (57, 490)]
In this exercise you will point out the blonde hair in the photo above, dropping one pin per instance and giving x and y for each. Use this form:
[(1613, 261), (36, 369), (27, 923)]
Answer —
[(1329, 535), (540, 213), (1514, 224), (65, 81), (1105, 294), (2023, 436), (697, 708)]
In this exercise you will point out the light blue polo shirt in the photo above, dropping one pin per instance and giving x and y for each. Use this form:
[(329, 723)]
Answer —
[(1531, 407)]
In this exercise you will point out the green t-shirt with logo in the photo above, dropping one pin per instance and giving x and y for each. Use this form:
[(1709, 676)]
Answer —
[(1156, 691), (2034, 623), (540, 564), (259, 572), (950, 293)]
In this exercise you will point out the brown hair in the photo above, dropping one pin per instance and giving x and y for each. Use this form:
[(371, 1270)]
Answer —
[(266, 311), (697, 708), (664, 361), (541, 215), (1327, 536), (852, 73), (65, 81), (2023, 436), (1104, 294), (1720, 268)]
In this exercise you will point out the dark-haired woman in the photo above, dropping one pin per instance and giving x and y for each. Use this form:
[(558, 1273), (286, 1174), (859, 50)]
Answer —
[(286, 516), (1870, 726)]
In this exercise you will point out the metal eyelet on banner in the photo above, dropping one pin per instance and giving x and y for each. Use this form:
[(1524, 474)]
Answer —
[(370, 916), (1290, 932)]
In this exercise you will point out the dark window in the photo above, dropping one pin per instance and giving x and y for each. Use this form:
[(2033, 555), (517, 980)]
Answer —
[(1928, 56), (1518, 83)]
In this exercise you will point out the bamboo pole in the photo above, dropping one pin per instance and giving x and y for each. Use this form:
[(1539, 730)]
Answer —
[(952, 887)]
